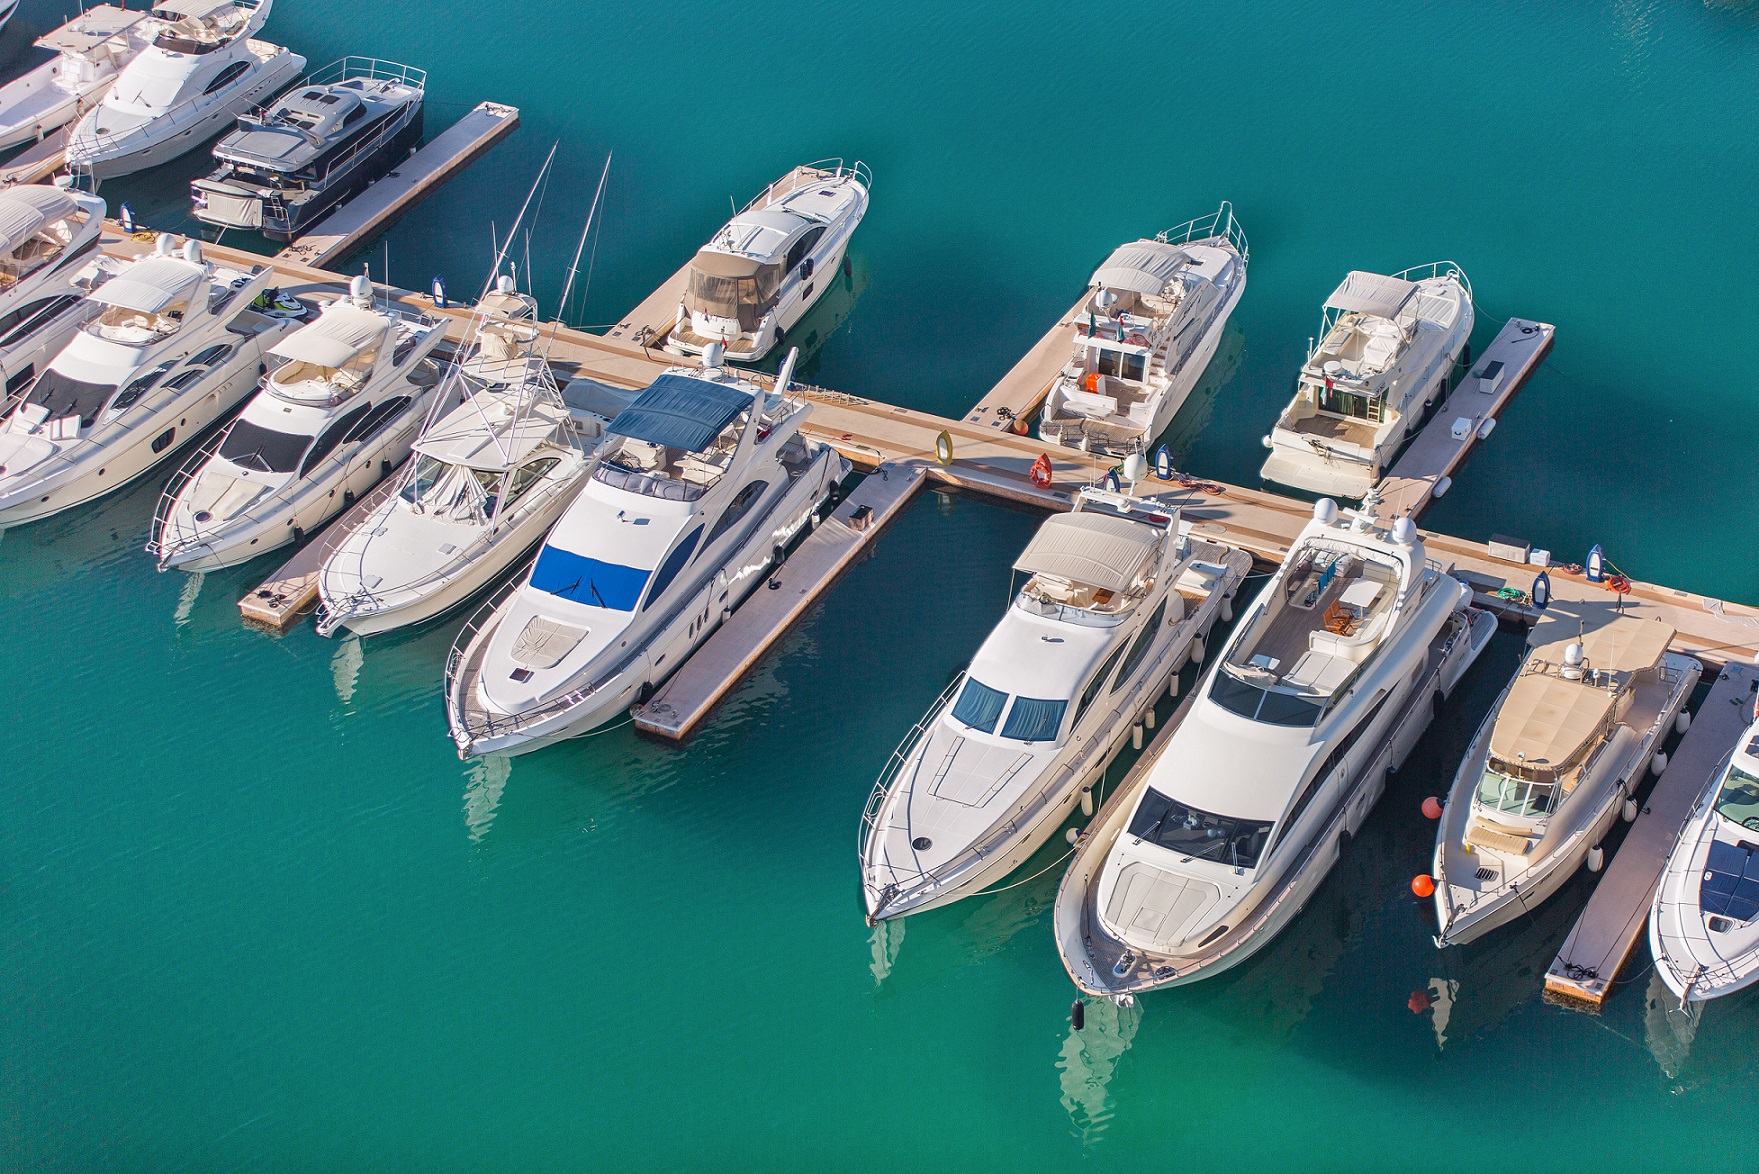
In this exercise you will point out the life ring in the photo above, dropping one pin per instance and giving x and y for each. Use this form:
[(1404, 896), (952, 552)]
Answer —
[(943, 448), (1618, 585), (1041, 471)]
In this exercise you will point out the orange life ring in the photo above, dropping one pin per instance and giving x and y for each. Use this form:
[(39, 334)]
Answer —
[(1618, 585), (1041, 471)]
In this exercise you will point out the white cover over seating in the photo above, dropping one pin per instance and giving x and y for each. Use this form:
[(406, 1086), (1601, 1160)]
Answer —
[(1371, 294), (343, 331), (1099, 550), (150, 285)]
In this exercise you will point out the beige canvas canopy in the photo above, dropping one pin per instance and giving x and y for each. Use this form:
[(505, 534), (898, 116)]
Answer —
[(717, 264), (1620, 643), (1098, 550), (1545, 723), (342, 332), (1371, 293), (150, 285)]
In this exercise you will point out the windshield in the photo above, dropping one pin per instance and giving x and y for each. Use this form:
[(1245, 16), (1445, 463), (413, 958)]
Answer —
[(1739, 798), (587, 580), (452, 492), (64, 395), (1032, 720), (1516, 796), (1262, 705), (979, 706), (251, 446), (1193, 833)]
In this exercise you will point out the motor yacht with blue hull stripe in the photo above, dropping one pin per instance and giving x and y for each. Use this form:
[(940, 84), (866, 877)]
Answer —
[(1327, 683), (700, 482), (1115, 601)]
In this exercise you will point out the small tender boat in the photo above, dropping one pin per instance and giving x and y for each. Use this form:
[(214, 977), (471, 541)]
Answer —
[(330, 422), (1566, 745), (1328, 681), (329, 137), (202, 69), (91, 50), (1704, 923), (699, 484), (766, 267), (1387, 350), (1152, 323), (174, 347), (1115, 601)]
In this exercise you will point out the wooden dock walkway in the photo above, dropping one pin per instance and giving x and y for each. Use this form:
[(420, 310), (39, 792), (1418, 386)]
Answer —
[(285, 595), (1411, 484), (39, 161), (1022, 391), (374, 210), (1594, 953), (725, 657)]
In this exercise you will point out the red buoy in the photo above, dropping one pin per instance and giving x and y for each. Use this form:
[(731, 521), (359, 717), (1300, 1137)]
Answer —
[(1041, 471), (1423, 885), (1418, 1002), (1432, 808)]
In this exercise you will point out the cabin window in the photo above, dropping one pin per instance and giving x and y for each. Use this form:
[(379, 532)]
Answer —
[(670, 568), (331, 437), (1092, 690), (129, 394), (1262, 705), (737, 509), (1139, 649), (1332, 761), (28, 319), (377, 418), (1739, 798), (428, 471), (979, 706), (1120, 364), (251, 446), (1511, 796), (529, 475), (567, 575), (799, 249), (65, 396), (1034, 720), (353, 116), (227, 76), (1190, 832), (1349, 403), (183, 379), (210, 356)]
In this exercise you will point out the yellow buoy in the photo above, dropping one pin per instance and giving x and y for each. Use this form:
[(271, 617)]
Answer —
[(943, 447)]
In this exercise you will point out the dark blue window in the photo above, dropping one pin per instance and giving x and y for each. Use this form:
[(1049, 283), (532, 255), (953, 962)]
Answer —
[(670, 568), (587, 580), (979, 706), (1032, 720), (1731, 881)]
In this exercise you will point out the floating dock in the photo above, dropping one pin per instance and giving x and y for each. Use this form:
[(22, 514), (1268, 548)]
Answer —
[(725, 657), (285, 595), (404, 186), (1592, 956), (38, 161)]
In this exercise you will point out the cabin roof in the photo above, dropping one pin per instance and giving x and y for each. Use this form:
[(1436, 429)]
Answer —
[(341, 332), (1098, 550), (150, 284), (1142, 266), (682, 412), (1372, 294)]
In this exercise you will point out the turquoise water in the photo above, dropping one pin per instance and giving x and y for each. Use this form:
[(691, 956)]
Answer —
[(257, 914)]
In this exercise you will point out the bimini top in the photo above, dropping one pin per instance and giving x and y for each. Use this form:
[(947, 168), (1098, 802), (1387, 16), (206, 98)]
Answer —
[(1142, 266), (340, 333), (93, 28), (717, 264), (25, 209), (1619, 642), (195, 9), (150, 285), (1371, 294), (1098, 550), (680, 412)]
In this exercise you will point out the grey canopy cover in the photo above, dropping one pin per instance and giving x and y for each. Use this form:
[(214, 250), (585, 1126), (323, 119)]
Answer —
[(680, 412), (1142, 266), (1371, 294)]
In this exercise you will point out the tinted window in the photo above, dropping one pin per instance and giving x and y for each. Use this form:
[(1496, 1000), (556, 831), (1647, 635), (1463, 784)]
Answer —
[(529, 475), (227, 76), (332, 437), (673, 564), (183, 379), (1139, 649), (251, 446), (979, 706), (34, 316), (137, 387), (1249, 701), (1190, 832), (798, 250), (1332, 762), (210, 356), (1032, 720), (1092, 690), (587, 580), (65, 396), (737, 508), (377, 419)]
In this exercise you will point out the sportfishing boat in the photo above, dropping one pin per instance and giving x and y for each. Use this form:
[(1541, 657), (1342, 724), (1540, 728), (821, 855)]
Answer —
[(1327, 682), (91, 50), (202, 69), (1704, 923), (288, 164), (174, 347), (489, 480), (766, 267), (1388, 347), (336, 416), (1114, 602), (1153, 319), (49, 262), (699, 485), (1567, 744)]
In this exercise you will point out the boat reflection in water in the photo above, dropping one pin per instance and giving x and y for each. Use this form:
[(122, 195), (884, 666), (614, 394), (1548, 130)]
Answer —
[(1089, 1058)]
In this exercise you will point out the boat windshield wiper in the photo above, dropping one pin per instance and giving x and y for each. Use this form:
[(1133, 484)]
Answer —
[(593, 587), (570, 589)]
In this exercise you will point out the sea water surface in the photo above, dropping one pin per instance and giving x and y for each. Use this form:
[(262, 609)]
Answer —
[(255, 913)]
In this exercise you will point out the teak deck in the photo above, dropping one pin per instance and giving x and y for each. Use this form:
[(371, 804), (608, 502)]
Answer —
[(1592, 956)]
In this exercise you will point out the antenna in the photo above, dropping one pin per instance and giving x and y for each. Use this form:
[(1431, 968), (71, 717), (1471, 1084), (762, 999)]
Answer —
[(574, 268)]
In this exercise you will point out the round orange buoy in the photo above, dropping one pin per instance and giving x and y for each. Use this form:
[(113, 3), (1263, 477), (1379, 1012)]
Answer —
[(1423, 885), (1619, 585), (1041, 471), (1418, 1002), (1432, 808), (1020, 426)]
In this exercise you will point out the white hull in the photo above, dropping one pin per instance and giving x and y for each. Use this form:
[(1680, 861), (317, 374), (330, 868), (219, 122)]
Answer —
[(749, 348)]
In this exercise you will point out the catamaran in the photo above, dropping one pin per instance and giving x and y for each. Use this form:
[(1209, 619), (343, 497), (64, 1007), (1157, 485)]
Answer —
[(1152, 322), (1328, 681)]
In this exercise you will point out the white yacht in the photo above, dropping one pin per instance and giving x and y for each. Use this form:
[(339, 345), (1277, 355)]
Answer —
[(489, 480), (1704, 923), (49, 262), (1567, 744), (202, 69), (1327, 682), (766, 267), (91, 50), (1387, 350), (174, 347), (336, 416), (1153, 319), (700, 481), (1114, 601)]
